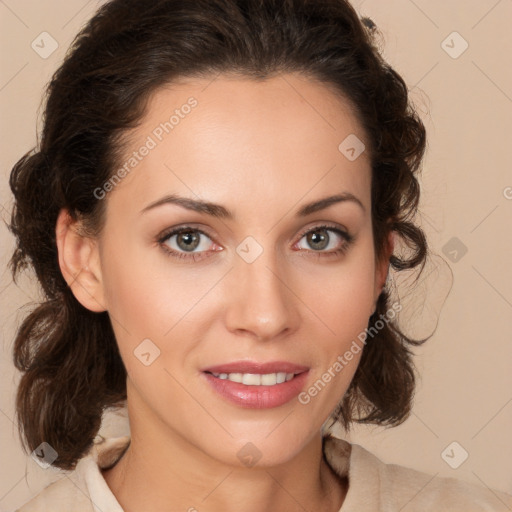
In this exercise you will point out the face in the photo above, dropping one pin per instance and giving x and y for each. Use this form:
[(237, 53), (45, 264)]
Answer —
[(221, 262)]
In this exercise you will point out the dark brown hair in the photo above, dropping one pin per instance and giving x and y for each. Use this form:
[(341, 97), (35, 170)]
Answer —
[(68, 356)]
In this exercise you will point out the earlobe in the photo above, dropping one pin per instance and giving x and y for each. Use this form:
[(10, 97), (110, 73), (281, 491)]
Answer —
[(79, 263), (382, 269), (389, 252)]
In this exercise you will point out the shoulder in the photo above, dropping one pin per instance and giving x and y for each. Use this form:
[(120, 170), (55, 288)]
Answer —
[(418, 491), (59, 496), (375, 485), (84, 489)]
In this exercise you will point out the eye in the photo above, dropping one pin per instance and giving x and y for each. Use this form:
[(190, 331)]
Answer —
[(187, 242), (325, 239)]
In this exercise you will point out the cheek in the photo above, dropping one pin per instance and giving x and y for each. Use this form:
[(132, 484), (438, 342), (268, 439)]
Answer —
[(146, 292), (343, 296)]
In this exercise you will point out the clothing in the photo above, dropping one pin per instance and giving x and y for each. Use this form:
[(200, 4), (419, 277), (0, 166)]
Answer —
[(373, 485)]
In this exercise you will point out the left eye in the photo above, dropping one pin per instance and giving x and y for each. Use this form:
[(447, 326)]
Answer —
[(324, 239)]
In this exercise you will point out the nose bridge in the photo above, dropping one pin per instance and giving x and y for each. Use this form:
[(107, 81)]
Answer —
[(261, 302)]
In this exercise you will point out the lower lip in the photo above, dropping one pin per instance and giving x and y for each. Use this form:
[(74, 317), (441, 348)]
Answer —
[(258, 397)]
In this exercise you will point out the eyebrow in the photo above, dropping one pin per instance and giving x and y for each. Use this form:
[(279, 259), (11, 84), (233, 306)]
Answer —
[(219, 211)]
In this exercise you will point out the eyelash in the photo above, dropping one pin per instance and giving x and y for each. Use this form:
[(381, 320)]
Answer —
[(347, 241)]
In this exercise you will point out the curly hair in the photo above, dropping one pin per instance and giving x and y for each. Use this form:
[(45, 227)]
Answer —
[(71, 367)]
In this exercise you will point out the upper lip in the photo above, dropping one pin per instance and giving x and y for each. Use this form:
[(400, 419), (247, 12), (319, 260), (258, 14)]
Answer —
[(257, 367)]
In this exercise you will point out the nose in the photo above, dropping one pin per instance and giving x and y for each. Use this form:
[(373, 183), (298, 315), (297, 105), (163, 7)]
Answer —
[(261, 302)]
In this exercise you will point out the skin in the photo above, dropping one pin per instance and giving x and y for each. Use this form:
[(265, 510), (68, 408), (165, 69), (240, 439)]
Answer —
[(262, 150)]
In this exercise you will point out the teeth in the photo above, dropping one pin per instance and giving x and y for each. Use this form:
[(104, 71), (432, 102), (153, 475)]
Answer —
[(256, 379), (251, 379), (268, 379)]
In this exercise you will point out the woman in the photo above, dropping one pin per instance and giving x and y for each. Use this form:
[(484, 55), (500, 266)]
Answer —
[(212, 214)]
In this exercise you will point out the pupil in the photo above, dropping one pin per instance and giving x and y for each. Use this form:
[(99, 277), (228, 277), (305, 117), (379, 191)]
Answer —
[(317, 240), (190, 240)]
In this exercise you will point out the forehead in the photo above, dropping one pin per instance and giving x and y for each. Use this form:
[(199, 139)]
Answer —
[(224, 137)]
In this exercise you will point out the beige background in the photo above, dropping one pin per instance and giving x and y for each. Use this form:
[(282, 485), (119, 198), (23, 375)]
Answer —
[(465, 393)]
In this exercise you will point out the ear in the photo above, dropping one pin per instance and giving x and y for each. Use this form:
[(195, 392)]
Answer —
[(382, 267), (79, 262)]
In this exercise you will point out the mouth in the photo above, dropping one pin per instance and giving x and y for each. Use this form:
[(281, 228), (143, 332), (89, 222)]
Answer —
[(257, 385)]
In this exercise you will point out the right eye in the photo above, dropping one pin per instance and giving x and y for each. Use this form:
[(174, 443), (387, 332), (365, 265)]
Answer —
[(186, 239), (186, 242)]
